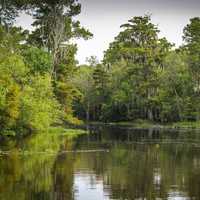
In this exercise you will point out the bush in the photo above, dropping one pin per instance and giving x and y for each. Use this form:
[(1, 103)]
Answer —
[(39, 108), (27, 102)]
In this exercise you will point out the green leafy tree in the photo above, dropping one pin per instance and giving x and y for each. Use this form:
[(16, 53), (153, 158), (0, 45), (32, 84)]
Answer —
[(85, 83), (122, 93), (55, 27), (9, 10), (37, 60), (39, 108), (101, 85), (139, 47), (175, 93), (27, 101), (192, 47), (12, 77)]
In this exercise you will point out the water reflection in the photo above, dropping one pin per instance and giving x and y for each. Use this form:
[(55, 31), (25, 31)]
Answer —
[(140, 164), (89, 186)]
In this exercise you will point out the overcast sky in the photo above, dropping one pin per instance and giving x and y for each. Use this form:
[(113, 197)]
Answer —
[(104, 17)]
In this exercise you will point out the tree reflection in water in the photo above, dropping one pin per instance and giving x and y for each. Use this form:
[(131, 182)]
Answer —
[(140, 164)]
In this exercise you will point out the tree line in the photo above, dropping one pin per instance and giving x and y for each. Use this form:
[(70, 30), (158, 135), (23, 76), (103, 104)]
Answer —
[(36, 68), (141, 75)]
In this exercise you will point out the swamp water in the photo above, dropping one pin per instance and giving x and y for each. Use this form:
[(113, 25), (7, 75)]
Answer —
[(118, 163)]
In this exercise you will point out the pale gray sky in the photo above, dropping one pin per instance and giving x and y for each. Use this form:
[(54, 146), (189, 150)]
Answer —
[(104, 17)]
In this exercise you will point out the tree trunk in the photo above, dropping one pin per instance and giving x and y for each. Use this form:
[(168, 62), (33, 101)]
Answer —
[(88, 112), (128, 111), (150, 114)]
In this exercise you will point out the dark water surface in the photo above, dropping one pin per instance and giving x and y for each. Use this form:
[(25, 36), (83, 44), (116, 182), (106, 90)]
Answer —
[(127, 164)]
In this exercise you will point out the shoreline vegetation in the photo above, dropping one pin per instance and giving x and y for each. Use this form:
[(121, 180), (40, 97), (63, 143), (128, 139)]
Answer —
[(69, 132), (59, 130), (145, 124), (141, 75)]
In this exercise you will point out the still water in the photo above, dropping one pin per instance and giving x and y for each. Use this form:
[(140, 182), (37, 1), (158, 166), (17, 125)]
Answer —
[(118, 163)]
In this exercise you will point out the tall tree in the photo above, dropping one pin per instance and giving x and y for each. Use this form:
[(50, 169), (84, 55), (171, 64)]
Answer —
[(192, 39), (139, 46), (9, 10), (55, 26), (192, 47), (85, 83)]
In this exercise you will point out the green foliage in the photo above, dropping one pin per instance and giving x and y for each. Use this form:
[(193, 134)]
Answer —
[(11, 41), (175, 89), (55, 27), (36, 87), (12, 77), (9, 10), (37, 60), (39, 108), (143, 78), (27, 102), (66, 93), (192, 47)]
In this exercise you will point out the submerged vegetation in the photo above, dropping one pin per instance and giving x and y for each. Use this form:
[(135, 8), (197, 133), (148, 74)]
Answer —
[(141, 76)]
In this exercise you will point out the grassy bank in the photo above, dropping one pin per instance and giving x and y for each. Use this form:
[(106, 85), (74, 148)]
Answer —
[(66, 132), (185, 124)]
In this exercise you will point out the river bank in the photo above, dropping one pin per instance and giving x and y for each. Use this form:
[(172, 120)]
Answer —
[(149, 124), (56, 130)]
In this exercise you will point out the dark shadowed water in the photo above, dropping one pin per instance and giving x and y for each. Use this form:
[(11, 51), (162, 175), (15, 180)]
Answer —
[(110, 163)]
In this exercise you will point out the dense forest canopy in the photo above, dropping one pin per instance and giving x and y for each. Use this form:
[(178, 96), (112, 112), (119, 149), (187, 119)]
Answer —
[(142, 76)]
